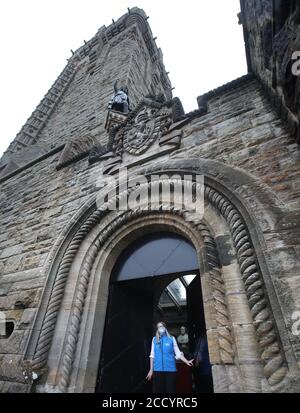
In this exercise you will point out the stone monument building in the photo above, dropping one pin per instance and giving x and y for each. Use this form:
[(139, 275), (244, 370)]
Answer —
[(72, 298)]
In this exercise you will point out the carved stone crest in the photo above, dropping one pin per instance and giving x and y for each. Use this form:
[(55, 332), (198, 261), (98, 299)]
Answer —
[(152, 129), (146, 128)]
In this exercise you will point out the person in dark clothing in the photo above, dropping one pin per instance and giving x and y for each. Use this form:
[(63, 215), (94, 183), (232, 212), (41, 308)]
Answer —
[(202, 370), (120, 100)]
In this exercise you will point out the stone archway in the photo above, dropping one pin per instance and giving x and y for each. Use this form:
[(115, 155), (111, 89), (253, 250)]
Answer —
[(96, 243), (218, 322)]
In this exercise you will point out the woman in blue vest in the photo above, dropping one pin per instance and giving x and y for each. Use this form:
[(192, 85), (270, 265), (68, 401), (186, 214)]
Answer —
[(163, 356)]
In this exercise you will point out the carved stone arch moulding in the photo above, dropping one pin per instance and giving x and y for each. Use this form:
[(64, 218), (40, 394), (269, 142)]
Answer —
[(225, 339), (137, 224), (270, 348)]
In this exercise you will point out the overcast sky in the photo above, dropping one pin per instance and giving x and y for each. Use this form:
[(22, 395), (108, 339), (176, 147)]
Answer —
[(201, 41)]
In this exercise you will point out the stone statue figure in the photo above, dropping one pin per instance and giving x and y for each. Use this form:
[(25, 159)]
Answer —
[(183, 340), (120, 100)]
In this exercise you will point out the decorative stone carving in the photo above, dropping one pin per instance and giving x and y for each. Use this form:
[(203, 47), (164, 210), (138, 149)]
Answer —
[(75, 150), (272, 356), (275, 368), (142, 128), (226, 341), (272, 35), (114, 119), (286, 41), (216, 280), (147, 128)]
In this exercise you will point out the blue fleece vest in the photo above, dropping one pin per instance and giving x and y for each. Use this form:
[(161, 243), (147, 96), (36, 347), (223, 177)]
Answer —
[(164, 356)]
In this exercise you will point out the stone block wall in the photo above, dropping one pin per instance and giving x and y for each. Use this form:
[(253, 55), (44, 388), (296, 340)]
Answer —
[(241, 141), (272, 36), (240, 131)]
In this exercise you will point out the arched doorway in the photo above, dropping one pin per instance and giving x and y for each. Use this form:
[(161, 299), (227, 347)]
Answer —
[(155, 278), (246, 349)]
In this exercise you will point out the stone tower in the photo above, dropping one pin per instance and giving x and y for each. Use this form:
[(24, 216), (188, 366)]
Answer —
[(63, 232), (76, 104)]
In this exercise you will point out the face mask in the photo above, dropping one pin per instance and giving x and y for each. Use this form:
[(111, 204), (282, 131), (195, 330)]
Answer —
[(161, 330)]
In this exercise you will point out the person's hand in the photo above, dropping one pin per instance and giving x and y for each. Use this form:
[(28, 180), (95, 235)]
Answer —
[(190, 363), (149, 376)]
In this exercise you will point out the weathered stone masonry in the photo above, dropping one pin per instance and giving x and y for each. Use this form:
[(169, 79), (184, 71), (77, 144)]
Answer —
[(250, 159)]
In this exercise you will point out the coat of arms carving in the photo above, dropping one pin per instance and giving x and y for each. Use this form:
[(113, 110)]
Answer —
[(144, 129), (151, 129)]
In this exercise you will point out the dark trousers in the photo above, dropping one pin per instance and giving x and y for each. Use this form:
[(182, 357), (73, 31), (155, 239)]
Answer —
[(120, 107), (164, 382)]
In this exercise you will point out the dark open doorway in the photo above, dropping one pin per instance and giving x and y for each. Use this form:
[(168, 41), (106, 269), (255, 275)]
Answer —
[(155, 279)]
